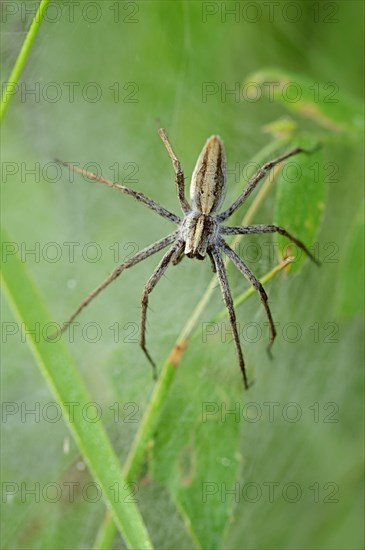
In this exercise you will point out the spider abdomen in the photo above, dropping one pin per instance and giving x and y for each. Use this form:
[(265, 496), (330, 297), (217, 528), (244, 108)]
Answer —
[(208, 182)]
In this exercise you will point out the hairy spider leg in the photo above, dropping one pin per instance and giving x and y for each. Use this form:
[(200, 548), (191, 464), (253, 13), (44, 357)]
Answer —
[(142, 255), (149, 286), (227, 297), (256, 179), (140, 197), (242, 267), (179, 174), (267, 228)]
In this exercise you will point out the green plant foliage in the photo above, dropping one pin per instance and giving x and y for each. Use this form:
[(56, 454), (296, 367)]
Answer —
[(322, 102), (300, 201), (351, 277), (209, 465), (58, 369), (189, 425)]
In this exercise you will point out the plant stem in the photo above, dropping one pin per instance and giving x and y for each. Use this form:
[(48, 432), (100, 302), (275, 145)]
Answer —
[(11, 84)]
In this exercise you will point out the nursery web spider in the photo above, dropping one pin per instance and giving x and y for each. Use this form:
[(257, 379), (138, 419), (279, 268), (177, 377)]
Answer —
[(200, 232)]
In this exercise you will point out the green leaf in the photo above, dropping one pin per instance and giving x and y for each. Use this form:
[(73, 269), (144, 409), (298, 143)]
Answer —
[(191, 425), (59, 370), (322, 102), (351, 275), (300, 203)]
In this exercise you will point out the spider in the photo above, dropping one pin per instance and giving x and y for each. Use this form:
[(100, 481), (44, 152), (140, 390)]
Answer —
[(200, 232)]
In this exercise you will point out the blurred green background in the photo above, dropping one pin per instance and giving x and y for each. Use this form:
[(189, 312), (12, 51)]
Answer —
[(293, 458)]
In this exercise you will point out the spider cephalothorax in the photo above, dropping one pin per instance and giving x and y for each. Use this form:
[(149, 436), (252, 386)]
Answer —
[(199, 232)]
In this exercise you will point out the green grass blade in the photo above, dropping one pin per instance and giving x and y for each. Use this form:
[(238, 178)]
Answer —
[(22, 58), (58, 368)]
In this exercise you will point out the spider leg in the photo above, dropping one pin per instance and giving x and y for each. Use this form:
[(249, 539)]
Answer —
[(178, 257), (163, 212), (227, 297), (180, 183), (142, 255), (268, 228), (212, 263), (256, 179), (149, 286), (242, 267)]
